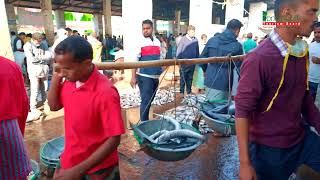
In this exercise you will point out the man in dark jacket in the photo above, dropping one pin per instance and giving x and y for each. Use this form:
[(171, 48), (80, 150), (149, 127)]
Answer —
[(188, 48), (217, 74)]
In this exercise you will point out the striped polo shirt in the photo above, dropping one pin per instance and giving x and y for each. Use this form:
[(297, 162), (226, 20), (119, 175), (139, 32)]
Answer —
[(149, 50)]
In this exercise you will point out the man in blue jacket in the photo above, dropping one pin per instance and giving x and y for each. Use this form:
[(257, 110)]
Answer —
[(217, 74)]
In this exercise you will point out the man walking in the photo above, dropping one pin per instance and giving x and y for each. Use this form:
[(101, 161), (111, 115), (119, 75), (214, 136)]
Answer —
[(38, 58), (96, 46), (217, 79), (188, 48), (272, 95), (249, 44), (314, 55), (18, 49), (147, 78)]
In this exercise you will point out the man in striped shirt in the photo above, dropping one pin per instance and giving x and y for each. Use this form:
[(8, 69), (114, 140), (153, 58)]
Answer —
[(14, 107), (147, 78)]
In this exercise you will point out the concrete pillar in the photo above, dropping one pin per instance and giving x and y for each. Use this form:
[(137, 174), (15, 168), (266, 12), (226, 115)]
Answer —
[(98, 25), (155, 25), (234, 10), (5, 45), (200, 16), (12, 18), (107, 16), (255, 17), (171, 27), (132, 19), (46, 11), (60, 21), (132, 25), (177, 21)]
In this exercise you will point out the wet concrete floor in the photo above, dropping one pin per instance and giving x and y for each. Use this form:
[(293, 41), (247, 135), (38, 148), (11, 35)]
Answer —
[(217, 158)]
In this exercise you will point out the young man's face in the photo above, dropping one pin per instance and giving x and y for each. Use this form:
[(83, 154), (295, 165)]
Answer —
[(317, 34), (22, 37), (67, 67), (307, 15), (147, 30), (191, 33), (69, 33), (204, 39)]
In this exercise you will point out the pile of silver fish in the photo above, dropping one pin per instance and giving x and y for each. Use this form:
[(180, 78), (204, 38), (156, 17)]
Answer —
[(194, 100), (183, 114), (189, 111), (132, 99)]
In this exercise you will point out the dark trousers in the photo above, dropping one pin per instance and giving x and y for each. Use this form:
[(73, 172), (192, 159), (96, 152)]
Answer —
[(280, 163), (313, 89), (186, 78), (147, 87)]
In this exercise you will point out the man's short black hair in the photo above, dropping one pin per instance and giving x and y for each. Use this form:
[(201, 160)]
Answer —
[(147, 21), (77, 46), (29, 35), (316, 25), (12, 33), (68, 29), (75, 31), (22, 34), (234, 24), (279, 3)]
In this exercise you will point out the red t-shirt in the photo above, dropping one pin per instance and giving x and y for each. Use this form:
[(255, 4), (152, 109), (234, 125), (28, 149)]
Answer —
[(13, 96), (92, 115)]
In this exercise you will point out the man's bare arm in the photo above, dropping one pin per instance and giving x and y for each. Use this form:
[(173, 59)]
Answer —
[(247, 171), (54, 93)]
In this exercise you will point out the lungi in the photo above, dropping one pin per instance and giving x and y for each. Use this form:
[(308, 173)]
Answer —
[(14, 161)]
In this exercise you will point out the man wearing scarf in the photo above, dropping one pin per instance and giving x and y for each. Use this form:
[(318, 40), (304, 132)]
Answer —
[(273, 100)]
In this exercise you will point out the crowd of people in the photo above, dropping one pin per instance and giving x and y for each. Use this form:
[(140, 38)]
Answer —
[(34, 56), (275, 92)]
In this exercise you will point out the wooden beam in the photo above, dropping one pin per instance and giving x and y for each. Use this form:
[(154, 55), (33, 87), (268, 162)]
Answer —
[(27, 6), (10, 2), (79, 6), (167, 62), (58, 6)]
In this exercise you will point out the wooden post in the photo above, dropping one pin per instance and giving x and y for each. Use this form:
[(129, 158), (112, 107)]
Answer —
[(177, 21), (107, 17), (12, 17), (167, 62), (46, 11)]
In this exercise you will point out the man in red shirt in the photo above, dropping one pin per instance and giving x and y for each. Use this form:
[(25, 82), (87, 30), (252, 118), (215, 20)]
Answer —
[(14, 107), (93, 122)]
